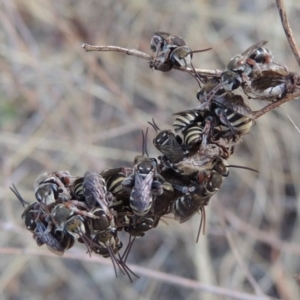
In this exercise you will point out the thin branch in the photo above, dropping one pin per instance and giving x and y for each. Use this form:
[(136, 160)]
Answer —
[(133, 52), (267, 108), (203, 72), (237, 255), (262, 236), (287, 29), (143, 55), (156, 275)]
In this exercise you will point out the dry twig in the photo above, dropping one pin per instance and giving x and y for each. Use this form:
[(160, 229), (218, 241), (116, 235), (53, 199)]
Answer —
[(287, 29), (157, 275), (201, 72), (143, 55)]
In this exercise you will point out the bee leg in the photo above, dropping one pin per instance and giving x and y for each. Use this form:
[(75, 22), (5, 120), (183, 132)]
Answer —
[(207, 131), (76, 203), (223, 118), (86, 214), (166, 163), (255, 66), (184, 189), (65, 195), (156, 188), (128, 183), (128, 248), (126, 269)]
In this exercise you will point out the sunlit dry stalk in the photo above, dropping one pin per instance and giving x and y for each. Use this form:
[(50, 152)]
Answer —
[(287, 29), (157, 275)]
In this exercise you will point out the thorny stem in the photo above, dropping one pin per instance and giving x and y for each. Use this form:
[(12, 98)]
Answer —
[(288, 30)]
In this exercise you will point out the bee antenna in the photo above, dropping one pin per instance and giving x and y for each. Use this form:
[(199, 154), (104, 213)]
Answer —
[(153, 124), (201, 50), (126, 268), (114, 260), (242, 167), (202, 223), (145, 144), (18, 195), (196, 76), (144, 135), (128, 248)]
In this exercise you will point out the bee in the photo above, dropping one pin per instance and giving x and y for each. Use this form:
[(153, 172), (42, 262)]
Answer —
[(65, 240), (187, 206), (143, 182), (273, 82), (244, 63), (139, 226), (44, 236), (202, 187), (94, 191), (50, 187), (168, 144), (162, 203), (262, 55), (231, 112), (234, 114), (141, 197), (240, 69), (60, 213), (186, 119), (31, 210), (107, 244), (202, 160), (193, 135), (74, 226), (41, 225), (198, 128), (102, 222), (114, 181), (163, 43), (170, 50)]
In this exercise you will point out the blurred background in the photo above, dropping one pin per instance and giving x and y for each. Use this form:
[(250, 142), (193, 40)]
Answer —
[(62, 108)]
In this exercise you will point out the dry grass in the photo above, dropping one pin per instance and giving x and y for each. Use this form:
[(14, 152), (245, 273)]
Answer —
[(64, 109)]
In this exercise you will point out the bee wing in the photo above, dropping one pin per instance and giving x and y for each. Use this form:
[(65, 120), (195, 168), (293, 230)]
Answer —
[(237, 104), (252, 48), (171, 39), (175, 154), (110, 172), (48, 239), (184, 208), (141, 197), (267, 81), (56, 252), (143, 184)]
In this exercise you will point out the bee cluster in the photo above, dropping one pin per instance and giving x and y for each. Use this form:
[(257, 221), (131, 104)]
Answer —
[(94, 208)]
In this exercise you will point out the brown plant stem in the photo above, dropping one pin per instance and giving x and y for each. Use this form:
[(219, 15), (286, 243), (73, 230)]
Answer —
[(143, 55), (269, 107), (156, 275), (203, 72), (287, 29)]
